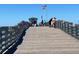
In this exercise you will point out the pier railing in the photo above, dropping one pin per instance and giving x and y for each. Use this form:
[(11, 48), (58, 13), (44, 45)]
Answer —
[(69, 28), (11, 35)]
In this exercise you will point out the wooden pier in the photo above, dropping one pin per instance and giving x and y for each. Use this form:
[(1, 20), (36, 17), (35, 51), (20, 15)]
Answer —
[(47, 40)]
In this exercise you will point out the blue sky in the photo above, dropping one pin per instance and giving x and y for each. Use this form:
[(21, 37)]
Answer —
[(11, 14)]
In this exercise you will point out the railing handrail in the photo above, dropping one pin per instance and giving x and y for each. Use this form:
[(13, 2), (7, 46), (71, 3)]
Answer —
[(10, 36), (68, 27)]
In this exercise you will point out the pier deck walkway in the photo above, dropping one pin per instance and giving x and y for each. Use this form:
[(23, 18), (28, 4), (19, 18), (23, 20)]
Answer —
[(47, 40)]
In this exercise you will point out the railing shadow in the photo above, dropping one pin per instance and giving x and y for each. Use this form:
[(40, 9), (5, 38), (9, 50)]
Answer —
[(19, 42)]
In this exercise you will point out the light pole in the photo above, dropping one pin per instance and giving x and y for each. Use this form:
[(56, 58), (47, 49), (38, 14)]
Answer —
[(43, 11)]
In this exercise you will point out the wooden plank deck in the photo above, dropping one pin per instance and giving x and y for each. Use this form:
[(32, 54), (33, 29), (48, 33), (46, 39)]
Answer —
[(41, 40)]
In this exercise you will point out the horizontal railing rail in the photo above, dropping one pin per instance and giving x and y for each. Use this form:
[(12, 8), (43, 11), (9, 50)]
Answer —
[(68, 27), (9, 36)]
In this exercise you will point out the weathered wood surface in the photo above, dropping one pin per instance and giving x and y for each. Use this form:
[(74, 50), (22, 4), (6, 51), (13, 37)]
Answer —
[(47, 40)]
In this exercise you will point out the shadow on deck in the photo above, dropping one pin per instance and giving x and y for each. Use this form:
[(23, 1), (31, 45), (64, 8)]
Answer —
[(14, 48)]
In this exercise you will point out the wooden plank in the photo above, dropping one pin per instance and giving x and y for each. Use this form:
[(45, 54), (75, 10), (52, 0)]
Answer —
[(47, 40)]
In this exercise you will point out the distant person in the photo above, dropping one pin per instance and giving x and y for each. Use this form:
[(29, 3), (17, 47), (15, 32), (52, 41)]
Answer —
[(50, 22), (53, 22), (42, 23), (35, 23)]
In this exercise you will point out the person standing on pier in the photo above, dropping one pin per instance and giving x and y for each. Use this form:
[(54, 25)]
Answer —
[(52, 22)]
